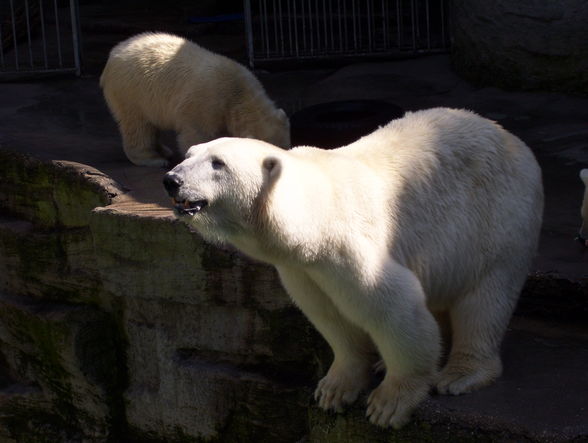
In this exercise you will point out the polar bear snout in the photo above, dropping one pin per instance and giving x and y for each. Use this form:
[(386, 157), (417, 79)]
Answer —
[(172, 183)]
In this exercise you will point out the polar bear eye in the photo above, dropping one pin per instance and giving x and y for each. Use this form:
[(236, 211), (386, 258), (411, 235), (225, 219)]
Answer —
[(217, 163)]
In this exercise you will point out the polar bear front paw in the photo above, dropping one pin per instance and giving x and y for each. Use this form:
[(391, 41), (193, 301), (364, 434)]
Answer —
[(391, 403), (340, 387)]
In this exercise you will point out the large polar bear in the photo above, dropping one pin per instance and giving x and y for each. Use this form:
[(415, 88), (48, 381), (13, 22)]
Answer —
[(157, 81), (437, 211)]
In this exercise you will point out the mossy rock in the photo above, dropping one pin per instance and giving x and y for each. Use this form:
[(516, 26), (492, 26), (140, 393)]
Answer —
[(70, 355), (52, 194)]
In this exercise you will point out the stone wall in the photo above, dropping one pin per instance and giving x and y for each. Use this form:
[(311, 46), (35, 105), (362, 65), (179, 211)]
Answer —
[(528, 44), (116, 326)]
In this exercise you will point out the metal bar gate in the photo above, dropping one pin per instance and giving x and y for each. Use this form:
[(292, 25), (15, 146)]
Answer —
[(39, 36), (323, 29)]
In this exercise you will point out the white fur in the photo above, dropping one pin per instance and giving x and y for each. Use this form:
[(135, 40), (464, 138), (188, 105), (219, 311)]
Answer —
[(158, 81), (439, 211)]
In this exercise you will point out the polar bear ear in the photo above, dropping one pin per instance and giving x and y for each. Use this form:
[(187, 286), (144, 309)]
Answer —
[(584, 176), (272, 167)]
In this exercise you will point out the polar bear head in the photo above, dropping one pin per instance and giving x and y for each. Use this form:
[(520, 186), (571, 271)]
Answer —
[(276, 130), (264, 122), (219, 188)]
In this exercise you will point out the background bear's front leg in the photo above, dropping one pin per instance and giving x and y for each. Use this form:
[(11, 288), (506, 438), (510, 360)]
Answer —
[(354, 352), (140, 141)]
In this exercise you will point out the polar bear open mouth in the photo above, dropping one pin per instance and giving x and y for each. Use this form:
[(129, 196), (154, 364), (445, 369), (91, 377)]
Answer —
[(187, 207)]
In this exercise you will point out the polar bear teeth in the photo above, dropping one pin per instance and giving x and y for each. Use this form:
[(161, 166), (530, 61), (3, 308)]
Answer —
[(188, 207)]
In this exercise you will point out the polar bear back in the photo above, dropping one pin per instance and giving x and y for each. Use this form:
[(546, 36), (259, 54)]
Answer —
[(446, 191), (156, 72)]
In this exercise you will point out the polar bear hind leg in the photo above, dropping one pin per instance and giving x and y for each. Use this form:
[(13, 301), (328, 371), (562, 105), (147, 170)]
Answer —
[(478, 323), (354, 352)]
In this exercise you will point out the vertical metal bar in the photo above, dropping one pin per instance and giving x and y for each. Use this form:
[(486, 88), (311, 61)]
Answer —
[(325, 28), (353, 15), (277, 17), (412, 18), (261, 27), (359, 30), (14, 42), (249, 33), (1, 47), (58, 34), (290, 28), (369, 18), (30, 43), (427, 15), (264, 27), (443, 36), (328, 10), (267, 26), (303, 24), (417, 22), (296, 49), (340, 14), (43, 36), (311, 30), (345, 25), (334, 8), (399, 22), (274, 20), (76, 35), (318, 27), (384, 25)]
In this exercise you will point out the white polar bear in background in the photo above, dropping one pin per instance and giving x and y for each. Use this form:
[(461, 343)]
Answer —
[(583, 235), (439, 211), (159, 81)]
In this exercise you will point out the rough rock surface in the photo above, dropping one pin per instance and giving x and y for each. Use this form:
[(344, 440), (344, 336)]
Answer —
[(530, 44), (115, 324)]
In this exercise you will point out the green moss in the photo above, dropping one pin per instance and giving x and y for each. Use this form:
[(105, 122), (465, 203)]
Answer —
[(56, 265), (27, 188), (72, 353), (46, 193), (32, 425), (41, 341)]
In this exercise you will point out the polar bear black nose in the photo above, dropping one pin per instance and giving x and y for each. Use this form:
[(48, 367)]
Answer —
[(172, 183)]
